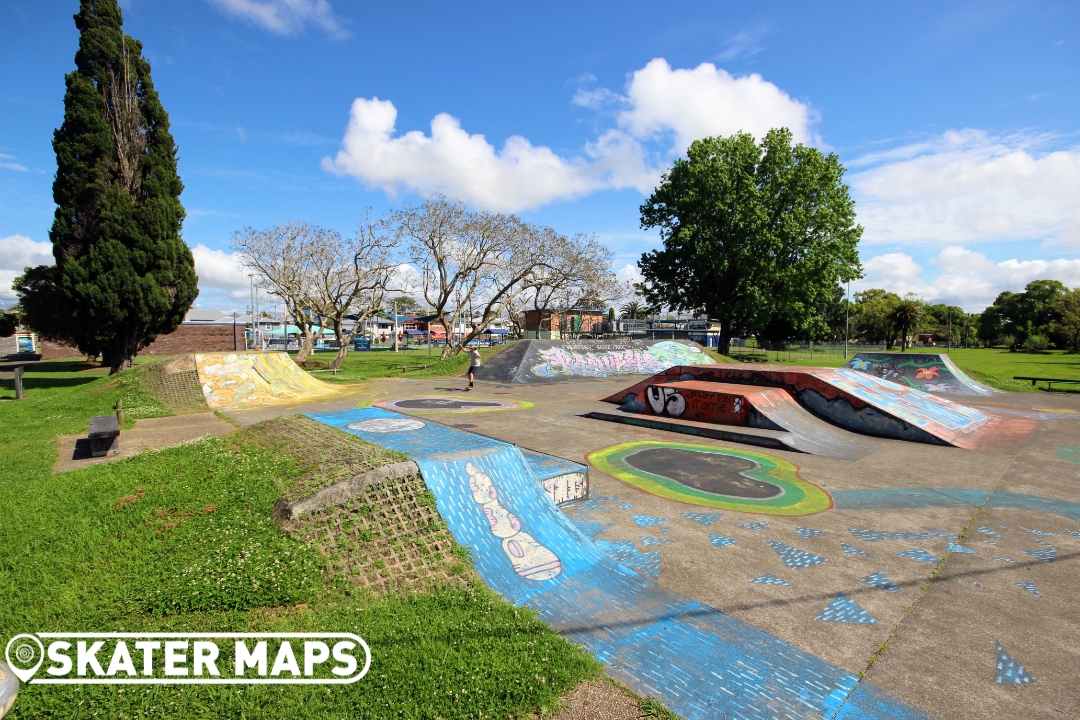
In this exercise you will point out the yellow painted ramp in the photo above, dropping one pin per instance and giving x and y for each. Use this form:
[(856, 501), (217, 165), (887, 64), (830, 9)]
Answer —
[(249, 380)]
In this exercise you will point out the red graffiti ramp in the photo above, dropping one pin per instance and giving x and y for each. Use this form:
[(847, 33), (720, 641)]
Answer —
[(857, 402), (753, 415)]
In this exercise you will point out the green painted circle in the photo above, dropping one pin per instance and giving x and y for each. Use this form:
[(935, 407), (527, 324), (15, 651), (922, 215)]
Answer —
[(799, 497)]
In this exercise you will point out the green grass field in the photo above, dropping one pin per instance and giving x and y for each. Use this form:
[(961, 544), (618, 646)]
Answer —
[(993, 366), (181, 540)]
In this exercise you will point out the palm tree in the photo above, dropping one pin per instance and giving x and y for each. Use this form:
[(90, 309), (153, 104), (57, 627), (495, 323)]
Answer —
[(634, 311), (908, 316)]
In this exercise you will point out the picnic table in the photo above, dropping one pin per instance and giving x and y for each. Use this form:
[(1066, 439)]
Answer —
[(405, 368), (1048, 381)]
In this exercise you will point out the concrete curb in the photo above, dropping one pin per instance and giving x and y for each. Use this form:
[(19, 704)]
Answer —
[(342, 491)]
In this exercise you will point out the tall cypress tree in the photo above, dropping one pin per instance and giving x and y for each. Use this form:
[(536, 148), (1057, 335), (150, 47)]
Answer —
[(123, 274)]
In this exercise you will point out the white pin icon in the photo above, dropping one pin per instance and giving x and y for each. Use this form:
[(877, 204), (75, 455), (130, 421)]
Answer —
[(20, 652)]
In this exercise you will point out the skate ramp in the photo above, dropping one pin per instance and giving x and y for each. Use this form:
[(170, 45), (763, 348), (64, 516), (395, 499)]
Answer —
[(538, 361), (928, 372), (858, 402), (238, 381), (691, 407), (702, 663)]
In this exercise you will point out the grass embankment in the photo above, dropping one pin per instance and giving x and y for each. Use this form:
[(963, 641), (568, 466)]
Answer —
[(993, 366), (360, 366), (181, 540)]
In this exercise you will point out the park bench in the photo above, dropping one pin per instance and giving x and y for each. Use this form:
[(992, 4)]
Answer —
[(406, 368), (104, 435), (1048, 381)]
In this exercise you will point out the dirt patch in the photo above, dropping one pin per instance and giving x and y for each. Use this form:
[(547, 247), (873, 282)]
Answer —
[(599, 700), (182, 363), (148, 434), (324, 454)]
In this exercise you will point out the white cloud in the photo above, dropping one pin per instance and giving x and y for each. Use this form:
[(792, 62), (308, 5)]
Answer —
[(707, 101), (18, 252), (629, 274), (965, 278), (518, 176), (6, 162), (968, 187), (220, 273), (286, 17), (665, 105)]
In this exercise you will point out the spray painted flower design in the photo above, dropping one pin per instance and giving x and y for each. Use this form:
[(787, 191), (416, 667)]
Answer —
[(860, 364), (926, 373)]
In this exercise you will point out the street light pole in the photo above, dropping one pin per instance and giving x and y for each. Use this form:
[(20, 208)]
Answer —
[(395, 326), (847, 315)]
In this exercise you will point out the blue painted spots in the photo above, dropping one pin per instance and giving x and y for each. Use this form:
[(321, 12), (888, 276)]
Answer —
[(655, 541), (808, 533), (1042, 542), (987, 531), (1004, 559), (853, 550), (1029, 586), (588, 526), (1046, 555), (793, 557), (721, 541), (918, 554), (1009, 671), (705, 519), (702, 663), (977, 584), (903, 498), (883, 535), (954, 547), (625, 506), (1004, 527), (880, 582), (1037, 532), (596, 502), (843, 610), (1074, 533), (754, 525), (769, 579), (647, 521), (646, 564)]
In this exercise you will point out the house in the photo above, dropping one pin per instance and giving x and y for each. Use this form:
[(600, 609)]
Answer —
[(555, 324)]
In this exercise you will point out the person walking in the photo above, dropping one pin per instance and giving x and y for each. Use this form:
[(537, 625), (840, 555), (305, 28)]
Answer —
[(474, 362)]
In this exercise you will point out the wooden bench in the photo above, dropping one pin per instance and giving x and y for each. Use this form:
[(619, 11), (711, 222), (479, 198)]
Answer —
[(104, 435), (1048, 381), (406, 368)]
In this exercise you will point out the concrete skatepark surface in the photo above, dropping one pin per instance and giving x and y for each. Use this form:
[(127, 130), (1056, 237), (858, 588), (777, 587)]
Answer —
[(944, 555), (930, 372)]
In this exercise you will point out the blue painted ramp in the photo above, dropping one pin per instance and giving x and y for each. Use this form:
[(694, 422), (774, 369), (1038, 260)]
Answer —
[(702, 663)]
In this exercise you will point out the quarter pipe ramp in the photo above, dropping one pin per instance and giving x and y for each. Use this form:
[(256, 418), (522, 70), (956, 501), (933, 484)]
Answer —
[(249, 380), (929, 372)]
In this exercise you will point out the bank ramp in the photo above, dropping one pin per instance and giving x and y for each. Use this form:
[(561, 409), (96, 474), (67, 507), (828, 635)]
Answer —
[(237, 381), (541, 361), (705, 665), (846, 399), (929, 372)]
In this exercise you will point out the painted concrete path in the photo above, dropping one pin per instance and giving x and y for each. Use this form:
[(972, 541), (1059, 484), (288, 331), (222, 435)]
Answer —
[(702, 663)]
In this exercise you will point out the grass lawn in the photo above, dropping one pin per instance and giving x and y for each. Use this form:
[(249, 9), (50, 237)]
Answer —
[(181, 540), (992, 366), (360, 366)]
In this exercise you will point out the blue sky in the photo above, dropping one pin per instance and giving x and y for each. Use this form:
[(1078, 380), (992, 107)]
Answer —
[(958, 123)]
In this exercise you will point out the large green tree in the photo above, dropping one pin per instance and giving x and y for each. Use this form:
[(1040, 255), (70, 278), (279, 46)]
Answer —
[(1036, 311), (123, 275), (756, 235)]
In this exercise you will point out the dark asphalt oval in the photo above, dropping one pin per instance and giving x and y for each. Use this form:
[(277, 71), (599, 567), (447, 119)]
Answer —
[(710, 472)]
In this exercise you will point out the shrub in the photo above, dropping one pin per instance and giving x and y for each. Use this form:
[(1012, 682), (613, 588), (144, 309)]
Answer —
[(1036, 343)]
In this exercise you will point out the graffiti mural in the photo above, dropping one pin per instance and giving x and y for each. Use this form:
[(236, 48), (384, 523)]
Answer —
[(929, 372), (713, 477), (559, 361), (242, 380)]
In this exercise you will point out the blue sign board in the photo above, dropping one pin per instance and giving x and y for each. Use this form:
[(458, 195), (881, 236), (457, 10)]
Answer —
[(361, 343)]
